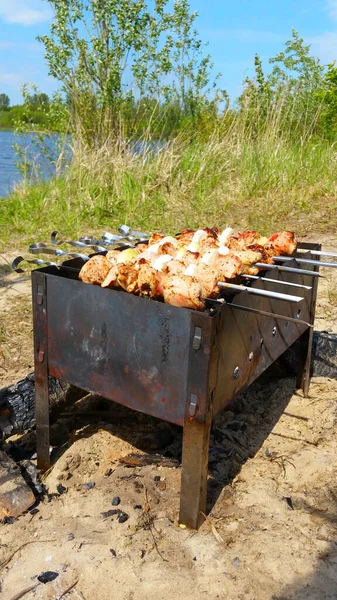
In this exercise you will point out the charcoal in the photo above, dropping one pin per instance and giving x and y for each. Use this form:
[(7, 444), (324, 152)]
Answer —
[(113, 552), (115, 501), (123, 517), (289, 502), (61, 489), (110, 513), (7, 520), (47, 576)]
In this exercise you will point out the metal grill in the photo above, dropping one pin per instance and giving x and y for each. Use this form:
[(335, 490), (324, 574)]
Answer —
[(176, 364)]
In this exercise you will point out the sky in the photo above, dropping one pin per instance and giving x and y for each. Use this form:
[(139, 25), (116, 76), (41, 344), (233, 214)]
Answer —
[(236, 31)]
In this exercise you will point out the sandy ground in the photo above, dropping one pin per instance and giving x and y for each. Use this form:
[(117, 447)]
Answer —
[(270, 532)]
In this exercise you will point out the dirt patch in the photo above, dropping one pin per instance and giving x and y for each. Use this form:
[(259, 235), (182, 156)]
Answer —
[(271, 527)]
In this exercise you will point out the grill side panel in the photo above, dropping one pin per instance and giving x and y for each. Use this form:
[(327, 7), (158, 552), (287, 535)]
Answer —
[(249, 343), (128, 349)]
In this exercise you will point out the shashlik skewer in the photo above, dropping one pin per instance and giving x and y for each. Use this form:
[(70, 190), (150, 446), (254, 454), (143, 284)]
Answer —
[(318, 252), (278, 281), (258, 292), (273, 315), (265, 267), (306, 261)]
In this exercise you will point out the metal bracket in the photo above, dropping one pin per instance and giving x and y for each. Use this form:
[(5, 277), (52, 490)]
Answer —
[(193, 405), (196, 338)]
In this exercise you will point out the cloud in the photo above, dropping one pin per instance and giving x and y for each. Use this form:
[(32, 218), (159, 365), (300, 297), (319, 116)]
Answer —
[(324, 46), (24, 12), (13, 80), (331, 7)]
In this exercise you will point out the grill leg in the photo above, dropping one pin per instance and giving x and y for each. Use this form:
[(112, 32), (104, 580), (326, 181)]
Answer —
[(41, 370), (194, 472), (303, 373)]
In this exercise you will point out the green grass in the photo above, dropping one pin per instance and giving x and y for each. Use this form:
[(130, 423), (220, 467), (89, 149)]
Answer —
[(265, 184)]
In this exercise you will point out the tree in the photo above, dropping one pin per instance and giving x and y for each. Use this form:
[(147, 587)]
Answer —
[(106, 52), (38, 99), (288, 95), (4, 102)]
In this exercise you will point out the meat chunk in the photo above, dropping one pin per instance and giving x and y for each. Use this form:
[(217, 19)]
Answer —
[(228, 267), (127, 277), (284, 242), (183, 291), (95, 270), (150, 281), (208, 279), (242, 241), (111, 279)]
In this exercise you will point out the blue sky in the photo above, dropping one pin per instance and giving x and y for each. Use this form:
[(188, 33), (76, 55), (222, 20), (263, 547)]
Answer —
[(235, 32)]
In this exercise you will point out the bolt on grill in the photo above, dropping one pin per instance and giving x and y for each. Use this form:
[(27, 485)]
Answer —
[(176, 364)]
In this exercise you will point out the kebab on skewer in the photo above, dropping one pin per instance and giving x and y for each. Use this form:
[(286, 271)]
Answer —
[(184, 268)]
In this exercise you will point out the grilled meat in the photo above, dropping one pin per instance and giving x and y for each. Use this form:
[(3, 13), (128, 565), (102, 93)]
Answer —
[(242, 241), (184, 291), (150, 281), (184, 268), (111, 279), (284, 242), (95, 270)]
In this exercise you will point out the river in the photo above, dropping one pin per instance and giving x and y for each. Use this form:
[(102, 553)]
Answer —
[(9, 173)]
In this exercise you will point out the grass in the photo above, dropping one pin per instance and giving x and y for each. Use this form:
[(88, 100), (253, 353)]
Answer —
[(266, 182)]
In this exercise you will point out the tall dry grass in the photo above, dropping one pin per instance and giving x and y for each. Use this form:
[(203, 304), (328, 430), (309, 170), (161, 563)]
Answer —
[(250, 172)]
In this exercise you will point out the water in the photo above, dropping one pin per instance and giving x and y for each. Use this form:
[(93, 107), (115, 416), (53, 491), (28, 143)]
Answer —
[(9, 174)]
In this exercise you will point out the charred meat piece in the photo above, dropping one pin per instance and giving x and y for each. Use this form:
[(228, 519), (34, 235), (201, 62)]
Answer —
[(185, 237), (183, 291), (150, 281), (242, 240), (284, 242), (127, 277), (155, 238), (95, 270)]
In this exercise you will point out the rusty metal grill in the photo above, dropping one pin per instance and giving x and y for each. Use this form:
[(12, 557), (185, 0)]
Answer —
[(176, 364)]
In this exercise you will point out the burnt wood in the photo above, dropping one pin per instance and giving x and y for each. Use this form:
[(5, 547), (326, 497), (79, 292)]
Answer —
[(17, 403)]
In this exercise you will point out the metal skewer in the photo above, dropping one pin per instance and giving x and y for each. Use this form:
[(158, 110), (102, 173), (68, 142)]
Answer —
[(266, 267), (318, 252), (264, 313), (125, 231), (40, 262), (41, 248), (258, 292), (298, 285), (268, 314), (306, 261)]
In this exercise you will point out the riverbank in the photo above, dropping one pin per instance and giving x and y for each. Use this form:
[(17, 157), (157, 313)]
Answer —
[(223, 182)]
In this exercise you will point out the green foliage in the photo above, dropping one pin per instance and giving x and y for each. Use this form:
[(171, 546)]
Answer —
[(113, 58), (4, 102), (288, 95)]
